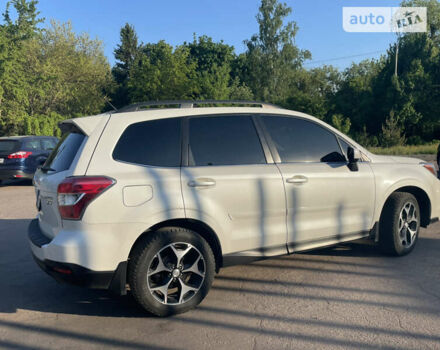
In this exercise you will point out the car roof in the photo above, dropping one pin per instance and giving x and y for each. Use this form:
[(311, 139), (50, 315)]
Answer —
[(88, 124), (24, 137)]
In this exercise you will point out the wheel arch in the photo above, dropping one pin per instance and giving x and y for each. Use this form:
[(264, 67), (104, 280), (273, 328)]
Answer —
[(195, 225), (422, 198)]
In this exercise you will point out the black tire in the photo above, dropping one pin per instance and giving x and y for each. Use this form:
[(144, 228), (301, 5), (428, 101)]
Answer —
[(146, 251), (390, 238)]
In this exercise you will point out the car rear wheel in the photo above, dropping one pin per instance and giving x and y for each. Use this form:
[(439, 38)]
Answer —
[(399, 224), (171, 271)]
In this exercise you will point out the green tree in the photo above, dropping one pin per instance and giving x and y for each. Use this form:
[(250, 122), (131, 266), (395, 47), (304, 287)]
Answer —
[(161, 73), (14, 34), (67, 73), (391, 132), (312, 91), (413, 94), (213, 67), (355, 96), (125, 54), (341, 123), (272, 56)]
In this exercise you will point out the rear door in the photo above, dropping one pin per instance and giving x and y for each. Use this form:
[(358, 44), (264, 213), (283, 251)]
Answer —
[(227, 182)]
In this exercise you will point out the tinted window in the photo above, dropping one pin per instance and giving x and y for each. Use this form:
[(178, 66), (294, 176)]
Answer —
[(48, 144), (155, 143), (298, 140), (344, 145), (224, 140), (62, 156), (8, 146), (32, 144)]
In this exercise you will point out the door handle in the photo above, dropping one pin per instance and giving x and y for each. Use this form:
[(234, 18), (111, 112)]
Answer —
[(298, 179), (201, 183)]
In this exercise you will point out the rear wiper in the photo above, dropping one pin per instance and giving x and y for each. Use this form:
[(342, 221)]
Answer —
[(45, 169)]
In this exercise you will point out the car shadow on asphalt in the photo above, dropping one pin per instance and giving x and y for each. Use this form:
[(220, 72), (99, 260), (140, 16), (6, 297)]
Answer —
[(26, 287), (20, 183)]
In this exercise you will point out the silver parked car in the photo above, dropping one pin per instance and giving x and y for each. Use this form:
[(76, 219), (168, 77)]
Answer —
[(161, 199)]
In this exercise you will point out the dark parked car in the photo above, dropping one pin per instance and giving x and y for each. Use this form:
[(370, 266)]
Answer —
[(438, 156), (21, 155)]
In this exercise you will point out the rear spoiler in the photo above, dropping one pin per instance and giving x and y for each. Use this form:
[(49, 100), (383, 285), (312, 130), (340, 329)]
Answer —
[(83, 125), (69, 127)]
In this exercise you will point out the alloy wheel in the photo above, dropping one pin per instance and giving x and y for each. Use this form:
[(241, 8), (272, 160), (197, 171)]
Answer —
[(176, 273), (408, 224)]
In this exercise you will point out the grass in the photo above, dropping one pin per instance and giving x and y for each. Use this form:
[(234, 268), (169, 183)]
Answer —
[(406, 150)]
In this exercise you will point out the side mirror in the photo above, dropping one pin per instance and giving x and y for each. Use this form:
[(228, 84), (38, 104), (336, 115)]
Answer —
[(354, 156)]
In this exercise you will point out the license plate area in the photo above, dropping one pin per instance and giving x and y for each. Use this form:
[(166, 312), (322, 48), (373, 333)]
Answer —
[(2, 160)]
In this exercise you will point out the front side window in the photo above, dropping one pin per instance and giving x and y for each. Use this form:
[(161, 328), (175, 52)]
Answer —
[(299, 140), (344, 145), (154, 142), (224, 140)]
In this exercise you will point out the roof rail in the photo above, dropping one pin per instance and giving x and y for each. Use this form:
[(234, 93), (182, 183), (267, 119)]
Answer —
[(191, 104)]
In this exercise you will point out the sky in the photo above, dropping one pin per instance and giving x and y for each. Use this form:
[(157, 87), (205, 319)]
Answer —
[(176, 21)]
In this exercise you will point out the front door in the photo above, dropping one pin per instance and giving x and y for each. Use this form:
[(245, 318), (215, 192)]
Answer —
[(326, 201)]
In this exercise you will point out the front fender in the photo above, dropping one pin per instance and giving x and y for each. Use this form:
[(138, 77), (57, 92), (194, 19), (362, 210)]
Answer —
[(392, 177)]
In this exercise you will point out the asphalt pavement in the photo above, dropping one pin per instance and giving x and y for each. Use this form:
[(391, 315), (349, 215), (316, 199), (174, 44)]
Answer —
[(350, 296)]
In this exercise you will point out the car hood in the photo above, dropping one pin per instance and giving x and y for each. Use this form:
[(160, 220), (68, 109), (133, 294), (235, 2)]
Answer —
[(397, 159)]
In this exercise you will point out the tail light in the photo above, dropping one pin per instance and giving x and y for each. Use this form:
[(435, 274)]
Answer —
[(19, 155), (431, 168), (75, 194)]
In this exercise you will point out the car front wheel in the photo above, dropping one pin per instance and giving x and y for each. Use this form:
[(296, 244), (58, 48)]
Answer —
[(171, 271), (399, 224)]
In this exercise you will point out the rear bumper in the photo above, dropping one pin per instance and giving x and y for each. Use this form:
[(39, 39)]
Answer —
[(65, 272), (7, 174)]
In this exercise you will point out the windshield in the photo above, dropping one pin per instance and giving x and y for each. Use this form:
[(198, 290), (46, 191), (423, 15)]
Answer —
[(62, 156)]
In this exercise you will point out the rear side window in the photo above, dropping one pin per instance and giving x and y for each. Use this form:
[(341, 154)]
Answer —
[(32, 144), (62, 156), (299, 140), (8, 146), (48, 144), (224, 140), (155, 143)]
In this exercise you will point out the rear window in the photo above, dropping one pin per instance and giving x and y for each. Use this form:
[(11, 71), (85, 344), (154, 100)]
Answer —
[(7, 146), (155, 143), (62, 156)]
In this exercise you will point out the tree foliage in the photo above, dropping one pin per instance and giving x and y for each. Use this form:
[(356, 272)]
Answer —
[(47, 75), (126, 54), (50, 74), (272, 58)]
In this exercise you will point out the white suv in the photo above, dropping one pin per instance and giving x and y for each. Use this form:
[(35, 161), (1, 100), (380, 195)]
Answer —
[(158, 200)]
